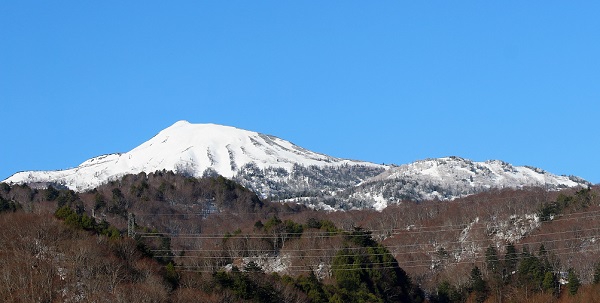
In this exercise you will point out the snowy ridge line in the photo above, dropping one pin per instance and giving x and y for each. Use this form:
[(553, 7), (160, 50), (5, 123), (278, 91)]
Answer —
[(278, 169), (467, 174)]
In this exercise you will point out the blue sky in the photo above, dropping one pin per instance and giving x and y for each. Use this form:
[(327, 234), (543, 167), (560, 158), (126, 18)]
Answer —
[(384, 81)]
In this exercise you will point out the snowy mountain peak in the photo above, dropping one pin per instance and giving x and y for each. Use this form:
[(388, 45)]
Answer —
[(180, 122), (191, 149), (224, 149)]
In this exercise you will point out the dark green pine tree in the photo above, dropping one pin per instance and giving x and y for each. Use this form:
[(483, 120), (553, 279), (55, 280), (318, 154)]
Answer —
[(573, 282), (447, 293), (550, 283), (51, 193), (495, 271), (477, 285), (369, 273), (511, 259), (531, 271), (6, 205), (313, 288), (491, 260), (543, 256), (596, 273)]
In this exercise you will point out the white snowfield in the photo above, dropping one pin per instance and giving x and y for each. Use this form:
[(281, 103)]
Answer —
[(191, 149)]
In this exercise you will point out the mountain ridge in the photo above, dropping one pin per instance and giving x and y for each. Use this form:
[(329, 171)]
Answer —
[(278, 169), (448, 178)]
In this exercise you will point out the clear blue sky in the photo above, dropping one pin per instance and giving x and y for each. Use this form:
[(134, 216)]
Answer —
[(382, 81)]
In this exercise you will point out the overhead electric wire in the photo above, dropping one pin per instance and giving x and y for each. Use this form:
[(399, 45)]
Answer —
[(324, 234), (348, 211), (306, 268), (440, 243), (335, 253), (409, 231), (393, 231), (474, 257)]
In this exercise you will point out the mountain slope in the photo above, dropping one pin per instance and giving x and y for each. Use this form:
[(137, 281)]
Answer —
[(195, 150)]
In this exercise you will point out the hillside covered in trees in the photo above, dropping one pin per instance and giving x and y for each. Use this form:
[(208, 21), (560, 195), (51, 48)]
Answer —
[(163, 237)]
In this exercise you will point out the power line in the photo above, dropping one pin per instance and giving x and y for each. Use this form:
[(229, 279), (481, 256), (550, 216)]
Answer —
[(286, 253), (242, 252), (487, 200), (411, 231), (393, 231), (438, 243), (403, 265), (325, 234)]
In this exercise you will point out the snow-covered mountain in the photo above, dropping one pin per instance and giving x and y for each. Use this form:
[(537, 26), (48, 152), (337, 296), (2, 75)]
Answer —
[(449, 178), (278, 169), (195, 150)]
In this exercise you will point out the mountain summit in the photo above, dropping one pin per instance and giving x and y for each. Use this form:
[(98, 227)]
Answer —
[(280, 170), (192, 149)]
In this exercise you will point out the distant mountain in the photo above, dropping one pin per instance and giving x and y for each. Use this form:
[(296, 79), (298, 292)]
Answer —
[(449, 178), (280, 170)]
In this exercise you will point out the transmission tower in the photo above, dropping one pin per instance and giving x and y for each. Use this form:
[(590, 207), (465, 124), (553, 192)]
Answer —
[(130, 225)]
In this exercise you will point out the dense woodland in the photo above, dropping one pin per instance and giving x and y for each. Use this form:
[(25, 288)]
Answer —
[(212, 240)]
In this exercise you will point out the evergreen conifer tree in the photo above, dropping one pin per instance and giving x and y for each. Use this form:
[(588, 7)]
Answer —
[(573, 282), (511, 258), (477, 285)]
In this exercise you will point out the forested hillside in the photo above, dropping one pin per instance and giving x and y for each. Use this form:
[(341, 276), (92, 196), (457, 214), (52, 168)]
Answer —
[(212, 240)]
